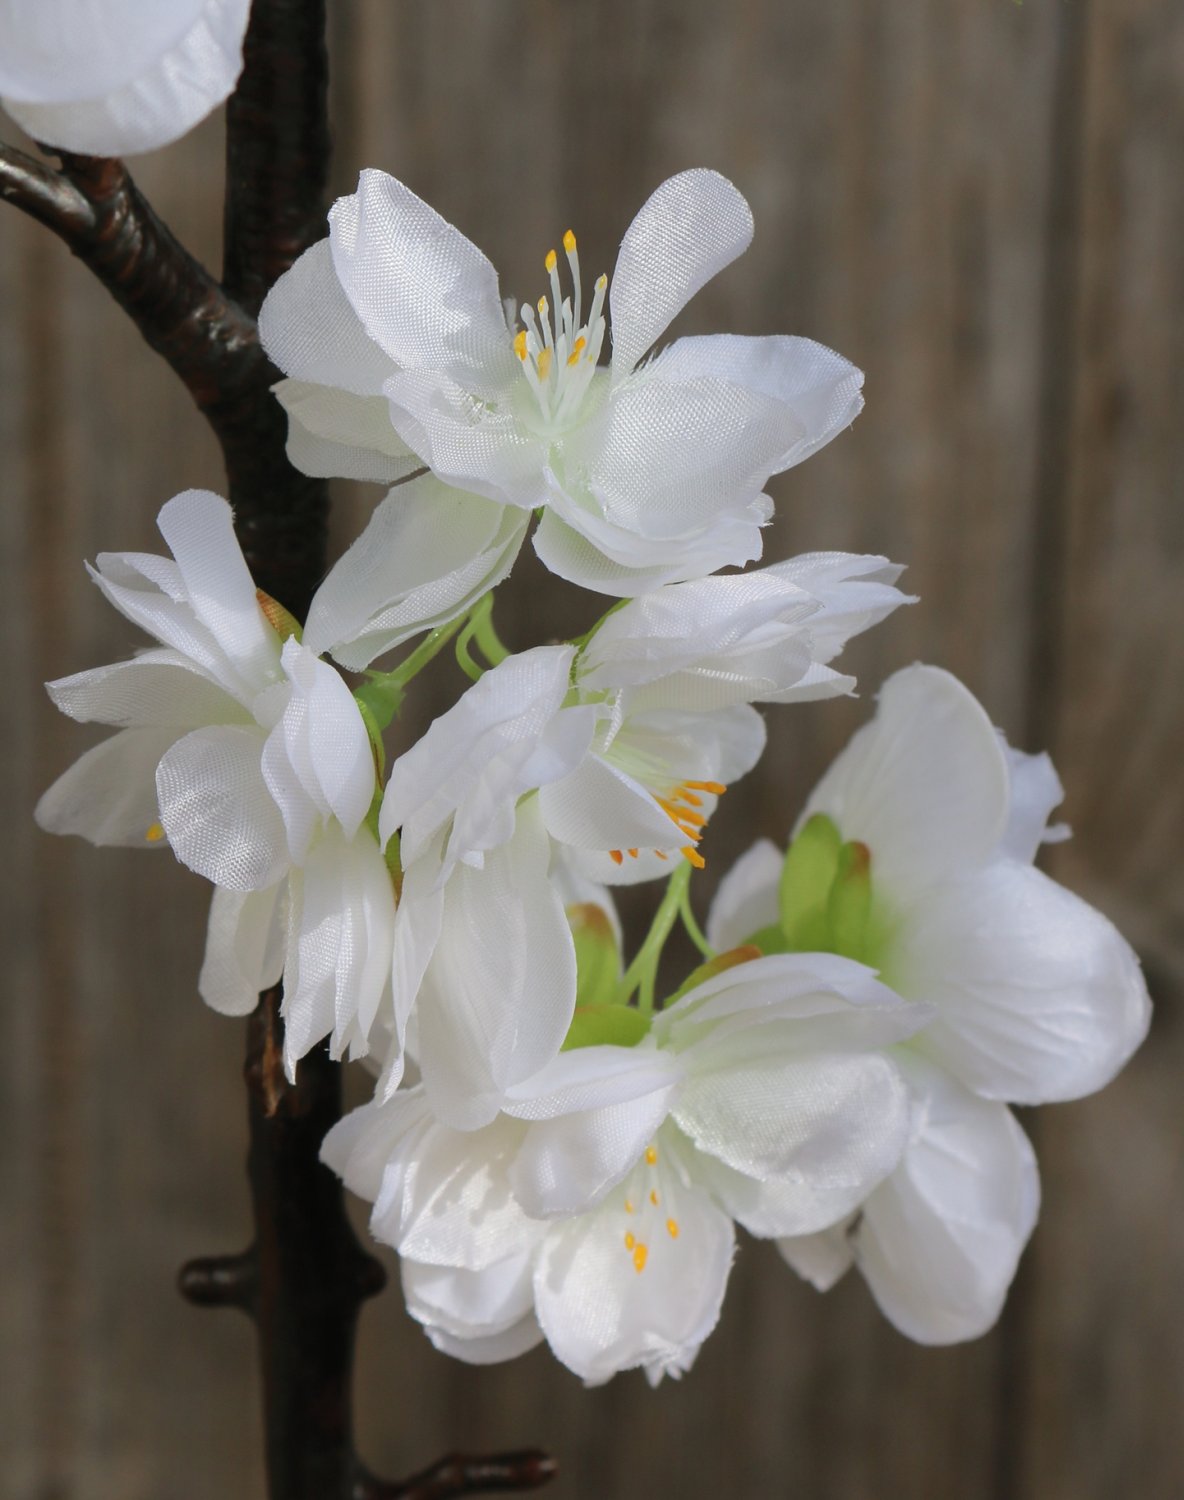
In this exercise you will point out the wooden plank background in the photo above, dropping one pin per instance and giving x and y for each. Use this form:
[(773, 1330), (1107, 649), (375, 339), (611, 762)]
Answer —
[(981, 203)]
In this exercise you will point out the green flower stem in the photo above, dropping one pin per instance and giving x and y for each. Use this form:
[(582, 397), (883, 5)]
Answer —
[(694, 931), (480, 629), (382, 693), (642, 973)]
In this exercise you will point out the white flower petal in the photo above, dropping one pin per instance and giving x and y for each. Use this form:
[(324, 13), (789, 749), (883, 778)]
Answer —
[(746, 900), (333, 434), (312, 333), (155, 690), (341, 917), (361, 1144), (1039, 997), (924, 785), (483, 1316), (822, 1258), (216, 810), (828, 1128), (597, 806), (421, 289), (686, 232), (428, 553), (476, 759), (817, 390), (445, 1198), (418, 920), (599, 1312), (199, 528), (244, 950), (499, 994), (109, 794), (731, 541), (483, 449), (939, 1241), (120, 78), (1035, 790)]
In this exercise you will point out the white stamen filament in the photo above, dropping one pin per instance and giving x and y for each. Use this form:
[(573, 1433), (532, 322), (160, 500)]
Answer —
[(558, 355)]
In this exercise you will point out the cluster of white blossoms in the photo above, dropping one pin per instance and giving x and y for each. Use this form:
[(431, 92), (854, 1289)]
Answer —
[(554, 1152)]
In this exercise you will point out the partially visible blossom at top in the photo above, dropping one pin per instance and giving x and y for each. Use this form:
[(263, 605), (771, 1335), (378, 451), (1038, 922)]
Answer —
[(117, 77), (647, 472), (914, 855), (596, 1209), (248, 757)]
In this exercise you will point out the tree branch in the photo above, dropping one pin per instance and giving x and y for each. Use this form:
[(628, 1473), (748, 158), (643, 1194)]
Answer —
[(44, 194), (461, 1474)]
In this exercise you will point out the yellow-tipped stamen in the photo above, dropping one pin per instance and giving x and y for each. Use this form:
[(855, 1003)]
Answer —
[(672, 1228), (629, 1242), (632, 853), (651, 1156), (654, 1196), (155, 833), (716, 788), (551, 261), (616, 856), (640, 1256), (569, 243), (660, 854), (692, 856), (543, 363), (520, 343), (628, 1205), (576, 350)]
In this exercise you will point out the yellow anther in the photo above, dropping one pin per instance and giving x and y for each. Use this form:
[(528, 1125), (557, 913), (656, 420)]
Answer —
[(616, 856), (689, 798), (576, 350), (672, 1228), (544, 363), (660, 855), (632, 853), (544, 307), (601, 282), (628, 1205), (155, 833), (569, 242), (693, 857), (716, 788), (654, 1196), (520, 343), (551, 261), (640, 1256), (629, 1242), (651, 1156)]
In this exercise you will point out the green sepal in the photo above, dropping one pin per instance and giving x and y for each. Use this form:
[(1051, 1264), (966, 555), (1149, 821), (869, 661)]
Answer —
[(606, 1025), (849, 905), (807, 875), (377, 748), (380, 698), (598, 958), (744, 954)]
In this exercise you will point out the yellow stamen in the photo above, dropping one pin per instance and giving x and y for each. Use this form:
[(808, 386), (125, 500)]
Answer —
[(155, 833), (544, 363), (654, 1196), (569, 243), (543, 307), (520, 343), (694, 858), (632, 853), (576, 350), (551, 261), (640, 1255), (716, 788), (601, 282), (629, 1242), (672, 1228), (651, 1156), (696, 820), (616, 856), (660, 855), (628, 1205), (691, 799)]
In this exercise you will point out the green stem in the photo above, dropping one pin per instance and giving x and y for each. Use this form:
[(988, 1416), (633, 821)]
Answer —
[(480, 629), (694, 931), (642, 973), (382, 692)]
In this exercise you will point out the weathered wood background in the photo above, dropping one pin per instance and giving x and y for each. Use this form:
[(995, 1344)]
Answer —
[(980, 202)]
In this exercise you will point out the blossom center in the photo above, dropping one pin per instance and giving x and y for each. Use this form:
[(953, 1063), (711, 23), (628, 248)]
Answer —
[(558, 351), (646, 1218)]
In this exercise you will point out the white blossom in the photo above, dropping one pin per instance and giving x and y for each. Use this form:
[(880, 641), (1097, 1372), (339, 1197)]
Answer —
[(1036, 997), (248, 757), (596, 1209), (647, 472), (117, 77)]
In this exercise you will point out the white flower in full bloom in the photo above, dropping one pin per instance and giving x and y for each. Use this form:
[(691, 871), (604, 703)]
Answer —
[(1036, 997), (396, 342), (116, 77), (596, 1210), (248, 757)]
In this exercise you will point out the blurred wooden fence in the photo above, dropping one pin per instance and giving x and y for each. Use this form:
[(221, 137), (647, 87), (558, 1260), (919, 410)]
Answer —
[(980, 202)]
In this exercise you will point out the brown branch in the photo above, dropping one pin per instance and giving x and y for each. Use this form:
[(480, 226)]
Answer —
[(461, 1474), (44, 194)]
